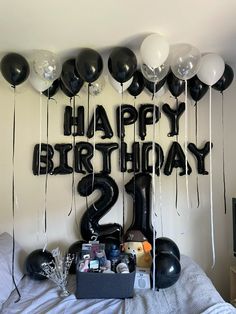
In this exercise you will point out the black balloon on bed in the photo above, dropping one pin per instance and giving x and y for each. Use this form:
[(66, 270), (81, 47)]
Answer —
[(167, 270), (34, 262)]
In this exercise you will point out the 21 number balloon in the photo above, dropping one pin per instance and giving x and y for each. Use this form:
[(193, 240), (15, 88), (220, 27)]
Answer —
[(139, 187), (89, 226), (14, 68)]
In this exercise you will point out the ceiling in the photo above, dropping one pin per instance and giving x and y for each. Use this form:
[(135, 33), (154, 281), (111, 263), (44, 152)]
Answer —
[(65, 26)]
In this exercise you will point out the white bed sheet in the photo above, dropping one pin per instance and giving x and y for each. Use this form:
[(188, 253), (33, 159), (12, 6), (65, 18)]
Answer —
[(192, 294)]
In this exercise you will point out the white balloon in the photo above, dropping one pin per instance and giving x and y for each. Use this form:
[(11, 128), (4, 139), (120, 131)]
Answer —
[(37, 83), (117, 85), (185, 61), (211, 69), (154, 50), (46, 65)]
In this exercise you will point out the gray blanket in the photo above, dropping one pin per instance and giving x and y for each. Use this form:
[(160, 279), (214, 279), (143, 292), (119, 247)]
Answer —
[(193, 293)]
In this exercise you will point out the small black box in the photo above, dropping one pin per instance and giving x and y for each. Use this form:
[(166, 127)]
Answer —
[(104, 286)]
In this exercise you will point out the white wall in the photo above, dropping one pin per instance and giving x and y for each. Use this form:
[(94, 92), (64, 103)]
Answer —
[(190, 230)]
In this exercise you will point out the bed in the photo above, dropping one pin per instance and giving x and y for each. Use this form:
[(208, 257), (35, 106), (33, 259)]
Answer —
[(193, 293)]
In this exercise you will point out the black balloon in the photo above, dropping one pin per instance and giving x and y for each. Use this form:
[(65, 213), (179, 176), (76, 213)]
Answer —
[(34, 262), (176, 86), (200, 154), (89, 65), (15, 68), (52, 90), (125, 115), (139, 187), (225, 80), (106, 149), (159, 157), (65, 90), (122, 64), (164, 244), (197, 88), (101, 124), (173, 116), (75, 250), (70, 77), (89, 224), (167, 270), (176, 159), (146, 118), (150, 85), (137, 84)]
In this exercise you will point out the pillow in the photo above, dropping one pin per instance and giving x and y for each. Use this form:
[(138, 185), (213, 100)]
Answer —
[(6, 284)]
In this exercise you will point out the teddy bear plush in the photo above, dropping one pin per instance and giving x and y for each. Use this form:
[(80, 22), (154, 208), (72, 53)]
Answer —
[(136, 243)]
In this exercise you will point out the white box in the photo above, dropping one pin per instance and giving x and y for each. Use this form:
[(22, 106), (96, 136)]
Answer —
[(142, 278)]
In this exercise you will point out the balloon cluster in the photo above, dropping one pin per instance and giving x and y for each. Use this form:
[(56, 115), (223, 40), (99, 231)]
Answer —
[(160, 63)]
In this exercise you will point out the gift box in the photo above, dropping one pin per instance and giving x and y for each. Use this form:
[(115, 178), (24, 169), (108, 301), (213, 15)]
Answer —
[(104, 285)]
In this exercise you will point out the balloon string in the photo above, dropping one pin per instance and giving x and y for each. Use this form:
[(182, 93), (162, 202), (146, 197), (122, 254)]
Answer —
[(89, 84), (186, 142), (223, 151), (153, 194), (73, 202), (176, 171), (211, 193), (123, 173), (134, 160), (40, 130), (94, 140), (160, 181), (13, 195), (196, 140), (46, 178)]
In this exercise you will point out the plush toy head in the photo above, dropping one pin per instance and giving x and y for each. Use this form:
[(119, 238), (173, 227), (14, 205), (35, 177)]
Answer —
[(136, 244)]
